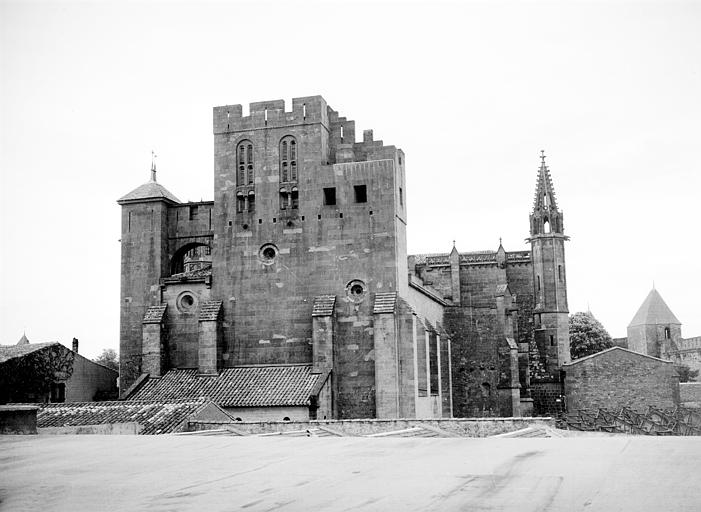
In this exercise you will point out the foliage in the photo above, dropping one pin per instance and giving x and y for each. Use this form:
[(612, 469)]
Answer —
[(28, 378), (587, 336), (108, 358), (686, 374)]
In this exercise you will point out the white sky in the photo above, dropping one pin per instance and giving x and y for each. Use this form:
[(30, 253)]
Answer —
[(472, 91)]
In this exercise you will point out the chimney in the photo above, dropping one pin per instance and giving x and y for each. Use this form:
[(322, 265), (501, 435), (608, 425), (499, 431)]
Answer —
[(75, 345)]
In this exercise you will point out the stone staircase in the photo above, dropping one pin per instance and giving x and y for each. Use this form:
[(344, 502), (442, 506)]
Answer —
[(680, 421)]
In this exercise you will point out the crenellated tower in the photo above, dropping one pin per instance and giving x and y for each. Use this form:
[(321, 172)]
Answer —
[(550, 312)]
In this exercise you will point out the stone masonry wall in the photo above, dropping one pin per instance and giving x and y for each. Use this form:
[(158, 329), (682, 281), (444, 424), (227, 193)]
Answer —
[(460, 427), (620, 378)]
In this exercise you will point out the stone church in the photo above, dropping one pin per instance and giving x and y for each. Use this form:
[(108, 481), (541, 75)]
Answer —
[(292, 296)]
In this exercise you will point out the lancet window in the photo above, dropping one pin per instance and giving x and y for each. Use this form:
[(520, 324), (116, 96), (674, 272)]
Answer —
[(288, 159), (244, 162)]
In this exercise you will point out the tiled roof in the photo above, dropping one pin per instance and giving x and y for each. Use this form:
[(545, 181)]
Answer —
[(8, 352), (654, 311), (323, 305), (155, 314), (149, 190), (154, 417), (209, 312), (384, 302), (243, 386)]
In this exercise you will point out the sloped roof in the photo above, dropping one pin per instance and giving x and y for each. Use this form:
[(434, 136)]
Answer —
[(384, 303), (8, 352), (608, 350), (323, 305), (654, 311), (243, 386), (149, 190), (154, 417), (209, 312), (155, 314)]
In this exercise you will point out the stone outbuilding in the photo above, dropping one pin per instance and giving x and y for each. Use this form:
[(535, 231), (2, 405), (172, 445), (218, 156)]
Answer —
[(50, 372), (618, 377)]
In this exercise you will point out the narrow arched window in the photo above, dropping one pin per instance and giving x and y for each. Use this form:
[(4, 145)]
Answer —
[(546, 226), (295, 198), (244, 172), (288, 159), (283, 198), (251, 201), (666, 333)]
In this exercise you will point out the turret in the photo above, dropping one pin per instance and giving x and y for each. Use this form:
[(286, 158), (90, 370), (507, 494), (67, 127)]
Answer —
[(144, 261), (549, 282)]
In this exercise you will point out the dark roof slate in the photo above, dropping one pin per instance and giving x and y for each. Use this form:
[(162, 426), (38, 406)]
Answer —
[(154, 417), (384, 303), (209, 312), (155, 314), (243, 386), (323, 305), (8, 352)]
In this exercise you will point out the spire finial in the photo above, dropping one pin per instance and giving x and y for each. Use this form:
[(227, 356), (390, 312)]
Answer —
[(499, 240), (653, 284), (542, 157), (153, 166), (453, 244)]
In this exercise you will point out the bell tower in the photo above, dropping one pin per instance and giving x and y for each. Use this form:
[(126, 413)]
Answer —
[(547, 240)]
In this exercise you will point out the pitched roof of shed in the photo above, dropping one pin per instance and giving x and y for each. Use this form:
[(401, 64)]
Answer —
[(612, 349), (654, 311), (244, 386), (154, 417), (8, 352)]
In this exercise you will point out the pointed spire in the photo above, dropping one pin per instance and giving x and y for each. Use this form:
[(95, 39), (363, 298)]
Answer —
[(23, 340), (454, 251), (153, 166), (544, 192)]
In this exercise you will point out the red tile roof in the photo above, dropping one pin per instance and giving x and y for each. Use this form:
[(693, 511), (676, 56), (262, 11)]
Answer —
[(154, 417), (243, 386)]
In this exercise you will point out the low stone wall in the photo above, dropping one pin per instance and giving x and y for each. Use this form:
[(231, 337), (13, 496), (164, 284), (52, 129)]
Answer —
[(130, 428), (690, 394), (461, 427)]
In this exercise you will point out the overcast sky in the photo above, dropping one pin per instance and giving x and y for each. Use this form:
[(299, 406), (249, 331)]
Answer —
[(471, 91)]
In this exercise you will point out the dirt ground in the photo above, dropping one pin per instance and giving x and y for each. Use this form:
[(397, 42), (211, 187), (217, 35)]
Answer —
[(174, 473)]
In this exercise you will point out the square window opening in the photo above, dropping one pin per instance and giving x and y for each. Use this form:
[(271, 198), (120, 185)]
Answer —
[(361, 193), (330, 196)]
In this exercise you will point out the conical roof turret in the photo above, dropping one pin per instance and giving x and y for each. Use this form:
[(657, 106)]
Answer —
[(150, 190), (654, 311)]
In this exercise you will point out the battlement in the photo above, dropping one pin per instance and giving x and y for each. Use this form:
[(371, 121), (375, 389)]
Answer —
[(270, 114)]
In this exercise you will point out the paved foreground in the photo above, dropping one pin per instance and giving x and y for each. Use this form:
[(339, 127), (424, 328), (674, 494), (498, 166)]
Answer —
[(169, 473)]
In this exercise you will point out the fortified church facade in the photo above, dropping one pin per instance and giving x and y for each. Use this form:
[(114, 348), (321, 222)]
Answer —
[(292, 292)]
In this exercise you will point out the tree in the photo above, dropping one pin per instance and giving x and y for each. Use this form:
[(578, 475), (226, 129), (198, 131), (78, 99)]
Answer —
[(108, 358), (686, 374), (587, 335)]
